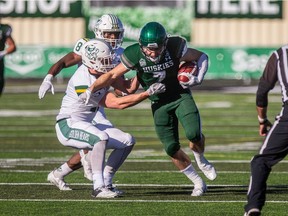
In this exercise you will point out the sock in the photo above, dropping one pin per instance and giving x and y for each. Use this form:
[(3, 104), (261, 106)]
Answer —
[(97, 162), (109, 173), (97, 179), (62, 171), (200, 159), (82, 154), (115, 160), (191, 173)]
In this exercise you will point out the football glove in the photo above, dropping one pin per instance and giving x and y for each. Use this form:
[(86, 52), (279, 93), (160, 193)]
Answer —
[(156, 88), (2, 54), (46, 86)]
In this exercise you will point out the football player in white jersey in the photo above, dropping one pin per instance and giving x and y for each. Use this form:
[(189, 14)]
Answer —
[(75, 127), (110, 28)]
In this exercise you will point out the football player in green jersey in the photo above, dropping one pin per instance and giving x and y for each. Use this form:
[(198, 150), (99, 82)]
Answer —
[(156, 58), (7, 46)]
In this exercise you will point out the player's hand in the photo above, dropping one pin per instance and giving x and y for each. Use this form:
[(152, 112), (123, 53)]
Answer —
[(193, 80), (46, 86), (264, 128), (2, 54), (85, 96), (156, 88)]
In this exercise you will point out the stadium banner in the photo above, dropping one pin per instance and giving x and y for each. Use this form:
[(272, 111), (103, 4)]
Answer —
[(224, 62), (259, 9), (175, 15), (43, 8)]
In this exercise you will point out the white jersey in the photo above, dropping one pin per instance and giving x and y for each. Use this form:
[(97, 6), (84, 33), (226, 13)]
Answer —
[(72, 106), (100, 115)]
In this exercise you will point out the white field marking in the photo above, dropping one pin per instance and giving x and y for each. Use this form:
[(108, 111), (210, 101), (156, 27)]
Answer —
[(244, 146), (143, 105), (137, 201), (215, 104), (27, 113), (51, 160), (126, 185), (145, 171), (141, 185)]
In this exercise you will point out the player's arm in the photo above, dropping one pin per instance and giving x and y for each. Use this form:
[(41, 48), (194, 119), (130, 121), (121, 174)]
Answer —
[(202, 64), (68, 60), (109, 78), (111, 101), (11, 47), (124, 86)]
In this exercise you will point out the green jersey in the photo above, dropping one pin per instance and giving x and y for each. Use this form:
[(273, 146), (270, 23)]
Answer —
[(165, 71), (5, 31)]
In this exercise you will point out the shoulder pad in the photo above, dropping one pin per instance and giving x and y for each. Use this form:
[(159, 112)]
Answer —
[(176, 45)]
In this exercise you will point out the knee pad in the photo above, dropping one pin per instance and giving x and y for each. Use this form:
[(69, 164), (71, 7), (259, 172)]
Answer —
[(172, 149), (193, 136), (103, 136), (130, 140)]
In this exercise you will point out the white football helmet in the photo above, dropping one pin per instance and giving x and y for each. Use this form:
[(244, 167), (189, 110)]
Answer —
[(111, 24), (98, 55)]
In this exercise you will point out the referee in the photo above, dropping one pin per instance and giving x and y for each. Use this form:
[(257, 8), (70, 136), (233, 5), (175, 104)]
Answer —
[(275, 146)]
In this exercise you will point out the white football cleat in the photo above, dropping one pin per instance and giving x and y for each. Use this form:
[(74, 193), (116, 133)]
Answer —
[(115, 190), (103, 193), (206, 167), (199, 189), (209, 171), (60, 183), (87, 167), (253, 212)]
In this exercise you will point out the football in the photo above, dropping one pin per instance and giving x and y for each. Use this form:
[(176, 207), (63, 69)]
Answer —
[(186, 70)]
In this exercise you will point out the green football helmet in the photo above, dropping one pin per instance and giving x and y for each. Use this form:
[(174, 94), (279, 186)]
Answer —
[(153, 37)]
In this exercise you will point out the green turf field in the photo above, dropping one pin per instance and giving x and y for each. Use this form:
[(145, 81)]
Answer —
[(29, 150)]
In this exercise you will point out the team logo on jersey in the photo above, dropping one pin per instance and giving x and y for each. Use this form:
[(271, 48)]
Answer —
[(142, 62), (167, 57), (91, 52)]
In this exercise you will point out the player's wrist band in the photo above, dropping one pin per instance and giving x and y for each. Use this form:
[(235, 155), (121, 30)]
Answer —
[(262, 120)]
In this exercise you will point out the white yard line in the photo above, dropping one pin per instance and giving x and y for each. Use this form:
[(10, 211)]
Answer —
[(143, 201), (138, 171)]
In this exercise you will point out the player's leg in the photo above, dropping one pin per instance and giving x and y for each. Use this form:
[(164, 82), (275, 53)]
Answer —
[(166, 126), (84, 135), (206, 167), (189, 117), (182, 161), (122, 144), (57, 175)]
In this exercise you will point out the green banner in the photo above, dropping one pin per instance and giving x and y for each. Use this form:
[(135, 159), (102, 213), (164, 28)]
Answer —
[(224, 63), (176, 20), (35, 61), (236, 63)]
